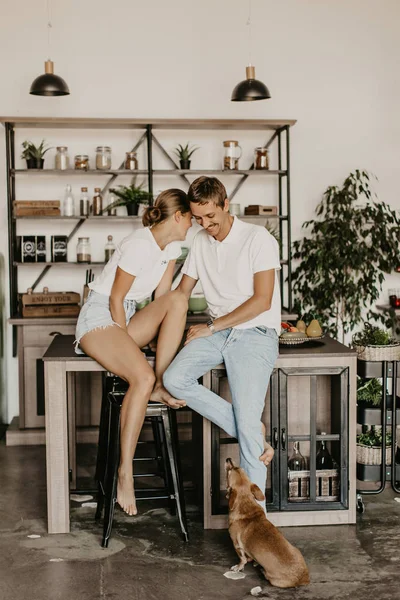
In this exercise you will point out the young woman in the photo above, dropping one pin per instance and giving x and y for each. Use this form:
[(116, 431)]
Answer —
[(110, 331)]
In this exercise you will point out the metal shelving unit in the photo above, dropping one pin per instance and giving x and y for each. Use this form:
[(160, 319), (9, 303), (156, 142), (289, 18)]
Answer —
[(277, 129)]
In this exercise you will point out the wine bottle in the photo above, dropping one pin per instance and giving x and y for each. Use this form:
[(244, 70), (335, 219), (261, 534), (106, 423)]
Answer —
[(323, 459), (296, 462)]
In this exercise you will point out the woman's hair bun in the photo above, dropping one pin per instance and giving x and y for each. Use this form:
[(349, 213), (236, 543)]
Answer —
[(151, 216)]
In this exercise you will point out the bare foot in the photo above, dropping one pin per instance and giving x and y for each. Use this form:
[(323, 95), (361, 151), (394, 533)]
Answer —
[(269, 452), (125, 494), (160, 394)]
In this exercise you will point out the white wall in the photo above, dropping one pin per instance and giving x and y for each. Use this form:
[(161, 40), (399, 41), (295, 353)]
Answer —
[(333, 66)]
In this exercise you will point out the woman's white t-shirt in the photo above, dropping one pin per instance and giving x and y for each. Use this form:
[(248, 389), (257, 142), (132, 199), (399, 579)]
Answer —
[(138, 254)]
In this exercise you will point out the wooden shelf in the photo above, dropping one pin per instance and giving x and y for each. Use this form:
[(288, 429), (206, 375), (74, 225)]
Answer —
[(58, 264), (160, 172), (133, 218), (98, 123)]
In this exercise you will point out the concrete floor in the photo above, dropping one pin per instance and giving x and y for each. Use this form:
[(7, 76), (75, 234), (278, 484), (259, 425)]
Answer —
[(147, 560)]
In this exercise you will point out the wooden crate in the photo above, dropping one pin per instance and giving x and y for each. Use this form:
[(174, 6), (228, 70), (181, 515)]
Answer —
[(257, 209), (327, 485), (36, 208), (56, 310), (52, 298)]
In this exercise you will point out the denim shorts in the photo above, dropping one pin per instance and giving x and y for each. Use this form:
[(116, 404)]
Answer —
[(95, 314)]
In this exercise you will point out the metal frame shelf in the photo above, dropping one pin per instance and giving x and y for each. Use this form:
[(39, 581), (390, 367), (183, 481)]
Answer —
[(280, 134)]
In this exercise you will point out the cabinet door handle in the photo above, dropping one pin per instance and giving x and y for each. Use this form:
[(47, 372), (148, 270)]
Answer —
[(283, 439), (54, 333), (275, 438)]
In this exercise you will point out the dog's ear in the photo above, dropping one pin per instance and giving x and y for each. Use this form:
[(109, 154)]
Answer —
[(232, 498), (257, 493)]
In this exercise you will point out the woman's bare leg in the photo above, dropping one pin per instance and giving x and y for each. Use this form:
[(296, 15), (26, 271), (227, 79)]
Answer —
[(117, 352), (167, 316)]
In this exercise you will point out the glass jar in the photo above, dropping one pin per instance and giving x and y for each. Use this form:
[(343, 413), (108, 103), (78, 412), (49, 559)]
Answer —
[(131, 161), (68, 203), (109, 248), (111, 210), (83, 250), (297, 462), (61, 161), (82, 162), (84, 203), (261, 160), (97, 204), (103, 158), (232, 153)]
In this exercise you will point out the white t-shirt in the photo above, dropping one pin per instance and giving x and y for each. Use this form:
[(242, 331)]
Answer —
[(138, 254), (226, 270)]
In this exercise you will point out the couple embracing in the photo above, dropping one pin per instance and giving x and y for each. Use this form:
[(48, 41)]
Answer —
[(236, 264)]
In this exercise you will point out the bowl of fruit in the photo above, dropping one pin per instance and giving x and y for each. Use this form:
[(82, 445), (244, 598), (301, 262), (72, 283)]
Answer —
[(292, 335)]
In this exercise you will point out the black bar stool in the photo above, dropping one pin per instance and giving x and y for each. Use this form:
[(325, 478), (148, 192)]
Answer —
[(165, 434)]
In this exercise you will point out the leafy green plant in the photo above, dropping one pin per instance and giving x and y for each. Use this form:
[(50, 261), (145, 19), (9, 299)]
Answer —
[(350, 245), (369, 391), (32, 151), (129, 194), (373, 437), (372, 336), (185, 152)]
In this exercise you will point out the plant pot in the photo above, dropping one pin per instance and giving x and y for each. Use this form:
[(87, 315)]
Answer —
[(372, 455), (388, 352), (197, 304), (35, 163), (132, 209), (185, 164)]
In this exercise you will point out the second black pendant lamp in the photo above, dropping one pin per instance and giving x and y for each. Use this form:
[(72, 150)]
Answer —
[(250, 88), (49, 84)]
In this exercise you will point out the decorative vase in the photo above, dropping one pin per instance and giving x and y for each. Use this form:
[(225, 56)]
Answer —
[(185, 164), (132, 209), (35, 163)]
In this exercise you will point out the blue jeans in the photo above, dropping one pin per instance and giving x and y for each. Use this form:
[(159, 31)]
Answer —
[(249, 356)]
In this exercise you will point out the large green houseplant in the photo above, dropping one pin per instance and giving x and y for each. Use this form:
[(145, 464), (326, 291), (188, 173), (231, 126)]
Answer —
[(351, 244), (130, 196)]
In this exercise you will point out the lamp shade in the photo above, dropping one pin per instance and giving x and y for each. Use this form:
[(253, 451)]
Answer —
[(250, 88), (49, 84)]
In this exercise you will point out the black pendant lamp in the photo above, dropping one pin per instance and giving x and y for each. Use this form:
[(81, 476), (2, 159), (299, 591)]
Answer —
[(250, 88), (49, 84)]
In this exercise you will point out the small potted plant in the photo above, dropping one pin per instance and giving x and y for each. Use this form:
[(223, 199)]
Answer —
[(369, 447), (376, 344), (184, 154), (130, 196), (34, 155)]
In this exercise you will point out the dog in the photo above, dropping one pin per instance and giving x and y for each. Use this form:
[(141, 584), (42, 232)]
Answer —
[(255, 538)]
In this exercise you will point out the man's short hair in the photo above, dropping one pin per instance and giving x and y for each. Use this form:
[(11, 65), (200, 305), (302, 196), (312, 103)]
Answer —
[(207, 189)]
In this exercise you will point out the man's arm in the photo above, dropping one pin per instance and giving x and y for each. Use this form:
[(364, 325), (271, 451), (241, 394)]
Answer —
[(261, 300)]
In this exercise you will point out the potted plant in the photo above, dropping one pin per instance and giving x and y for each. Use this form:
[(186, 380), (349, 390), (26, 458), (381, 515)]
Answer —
[(375, 344), (350, 245), (34, 155), (369, 447), (130, 196), (184, 154)]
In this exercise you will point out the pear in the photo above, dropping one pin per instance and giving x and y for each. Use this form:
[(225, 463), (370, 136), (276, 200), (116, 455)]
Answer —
[(314, 329), (301, 326)]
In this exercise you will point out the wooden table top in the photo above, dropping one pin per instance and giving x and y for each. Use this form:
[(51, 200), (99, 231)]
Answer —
[(62, 349)]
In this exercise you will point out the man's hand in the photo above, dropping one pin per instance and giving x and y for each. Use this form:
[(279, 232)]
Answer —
[(197, 331)]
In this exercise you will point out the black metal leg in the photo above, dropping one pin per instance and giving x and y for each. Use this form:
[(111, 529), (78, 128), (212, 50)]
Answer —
[(167, 475), (173, 455), (100, 502), (111, 475)]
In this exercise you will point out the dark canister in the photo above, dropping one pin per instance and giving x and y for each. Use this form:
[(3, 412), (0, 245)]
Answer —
[(59, 248), (40, 248), (28, 248)]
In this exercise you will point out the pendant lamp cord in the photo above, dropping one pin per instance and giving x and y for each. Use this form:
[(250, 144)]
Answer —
[(49, 26), (249, 26)]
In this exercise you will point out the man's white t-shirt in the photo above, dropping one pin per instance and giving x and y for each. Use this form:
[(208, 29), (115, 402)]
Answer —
[(138, 254), (226, 270)]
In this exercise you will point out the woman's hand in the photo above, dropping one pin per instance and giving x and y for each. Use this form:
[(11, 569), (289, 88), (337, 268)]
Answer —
[(197, 331)]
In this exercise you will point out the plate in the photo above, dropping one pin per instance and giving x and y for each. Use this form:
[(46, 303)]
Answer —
[(296, 342)]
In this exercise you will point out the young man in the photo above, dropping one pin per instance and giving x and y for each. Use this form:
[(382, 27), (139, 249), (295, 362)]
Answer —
[(237, 266)]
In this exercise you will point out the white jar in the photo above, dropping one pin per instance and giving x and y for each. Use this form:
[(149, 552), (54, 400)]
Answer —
[(103, 158), (61, 158), (83, 250)]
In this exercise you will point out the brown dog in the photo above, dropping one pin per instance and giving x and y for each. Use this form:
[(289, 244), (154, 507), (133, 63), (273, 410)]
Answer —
[(256, 538)]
